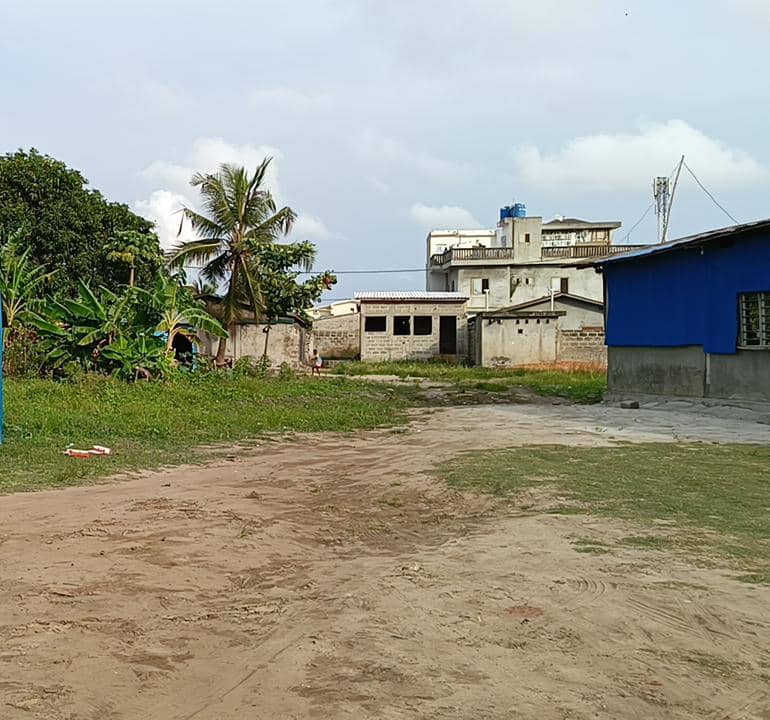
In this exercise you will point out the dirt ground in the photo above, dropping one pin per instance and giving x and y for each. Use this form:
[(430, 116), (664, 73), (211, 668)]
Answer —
[(336, 577)]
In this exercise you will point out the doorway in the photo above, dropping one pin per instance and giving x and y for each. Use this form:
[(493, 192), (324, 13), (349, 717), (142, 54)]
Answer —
[(447, 335)]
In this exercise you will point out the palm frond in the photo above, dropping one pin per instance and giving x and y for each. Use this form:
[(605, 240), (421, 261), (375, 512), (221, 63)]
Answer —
[(200, 250)]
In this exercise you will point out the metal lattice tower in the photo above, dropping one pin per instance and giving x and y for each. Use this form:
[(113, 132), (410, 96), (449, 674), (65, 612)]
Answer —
[(661, 190)]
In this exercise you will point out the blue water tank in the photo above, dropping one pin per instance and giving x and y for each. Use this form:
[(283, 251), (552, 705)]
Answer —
[(519, 210), (505, 212)]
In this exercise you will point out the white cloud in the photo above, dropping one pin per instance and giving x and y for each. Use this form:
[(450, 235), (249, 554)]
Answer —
[(391, 155), (206, 155), (755, 9), (162, 98), (170, 187), (629, 161), (445, 217), (307, 227), (289, 100), (164, 209)]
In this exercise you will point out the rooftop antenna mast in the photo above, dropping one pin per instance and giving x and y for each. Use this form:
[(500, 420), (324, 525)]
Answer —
[(671, 198), (663, 192)]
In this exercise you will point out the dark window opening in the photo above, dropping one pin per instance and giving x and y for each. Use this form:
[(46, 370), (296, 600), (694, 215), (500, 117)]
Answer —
[(375, 323), (484, 284), (423, 325), (526, 237), (183, 349), (521, 331), (564, 285), (447, 338), (402, 325)]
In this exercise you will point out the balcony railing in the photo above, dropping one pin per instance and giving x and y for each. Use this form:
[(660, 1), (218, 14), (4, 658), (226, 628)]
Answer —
[(585, 251), (468, 254), (480, 255)]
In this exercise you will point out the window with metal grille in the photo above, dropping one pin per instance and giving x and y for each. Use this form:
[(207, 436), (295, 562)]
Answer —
[(754, 313)]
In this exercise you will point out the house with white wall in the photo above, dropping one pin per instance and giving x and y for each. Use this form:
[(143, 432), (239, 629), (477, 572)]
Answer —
[(528, 302), (520, 260)]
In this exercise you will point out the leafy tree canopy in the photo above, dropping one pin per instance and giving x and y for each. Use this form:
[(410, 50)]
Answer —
[(70, 228)]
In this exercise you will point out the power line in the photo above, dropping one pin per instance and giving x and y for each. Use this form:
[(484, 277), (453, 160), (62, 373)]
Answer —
[(365, 272), (340, 272), (639, 221), (713, 199), (650, 207)]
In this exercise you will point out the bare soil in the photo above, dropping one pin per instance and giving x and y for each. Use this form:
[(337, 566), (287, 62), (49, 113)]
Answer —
[(337, 577)]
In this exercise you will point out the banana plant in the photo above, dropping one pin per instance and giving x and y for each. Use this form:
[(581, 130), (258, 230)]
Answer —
[(177, 311), (79, 328), (20, 283), (141, 357)]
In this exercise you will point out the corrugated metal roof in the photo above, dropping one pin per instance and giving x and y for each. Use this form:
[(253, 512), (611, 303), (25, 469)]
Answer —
[(562, 223), (411, 296), (683, 242), (547, 298)]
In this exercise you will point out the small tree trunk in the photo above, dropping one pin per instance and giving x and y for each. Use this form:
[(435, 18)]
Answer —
[(221, 350), (132, 276), (267, 339)]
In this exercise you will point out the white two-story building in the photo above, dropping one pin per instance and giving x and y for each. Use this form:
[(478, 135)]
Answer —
[(527, 301), (521, 260)]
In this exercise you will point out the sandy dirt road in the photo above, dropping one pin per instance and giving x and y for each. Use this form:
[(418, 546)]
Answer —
[(336, 577)]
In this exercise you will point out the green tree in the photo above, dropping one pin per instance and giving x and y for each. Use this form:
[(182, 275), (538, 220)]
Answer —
[(64, 224), (139, 251), (275, 271), (240, 217)]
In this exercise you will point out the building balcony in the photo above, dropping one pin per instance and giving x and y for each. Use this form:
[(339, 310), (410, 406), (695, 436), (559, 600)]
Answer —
[(472, 256), (485, 256), (584, 251)]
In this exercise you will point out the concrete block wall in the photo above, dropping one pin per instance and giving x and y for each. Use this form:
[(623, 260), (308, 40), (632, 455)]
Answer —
[(585, 346), (288, 343), (337, 337), (381, 346)]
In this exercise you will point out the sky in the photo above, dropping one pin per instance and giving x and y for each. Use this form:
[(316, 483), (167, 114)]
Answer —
[(386, 119)]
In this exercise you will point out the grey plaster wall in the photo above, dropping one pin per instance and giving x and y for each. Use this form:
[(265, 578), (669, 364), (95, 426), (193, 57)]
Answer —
[(686, 372), (743, 376)]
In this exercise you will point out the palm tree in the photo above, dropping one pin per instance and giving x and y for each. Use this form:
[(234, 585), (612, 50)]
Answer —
[(240, 217)]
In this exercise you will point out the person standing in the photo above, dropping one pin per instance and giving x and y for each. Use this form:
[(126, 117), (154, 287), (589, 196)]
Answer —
[(318, 363)]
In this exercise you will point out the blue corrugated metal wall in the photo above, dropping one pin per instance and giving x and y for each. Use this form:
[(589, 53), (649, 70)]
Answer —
[(2, 398), (685, 297)]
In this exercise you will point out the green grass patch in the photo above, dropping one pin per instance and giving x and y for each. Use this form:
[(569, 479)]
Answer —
[(591, 546), (151, 425), (582, 386), (709, 500)]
